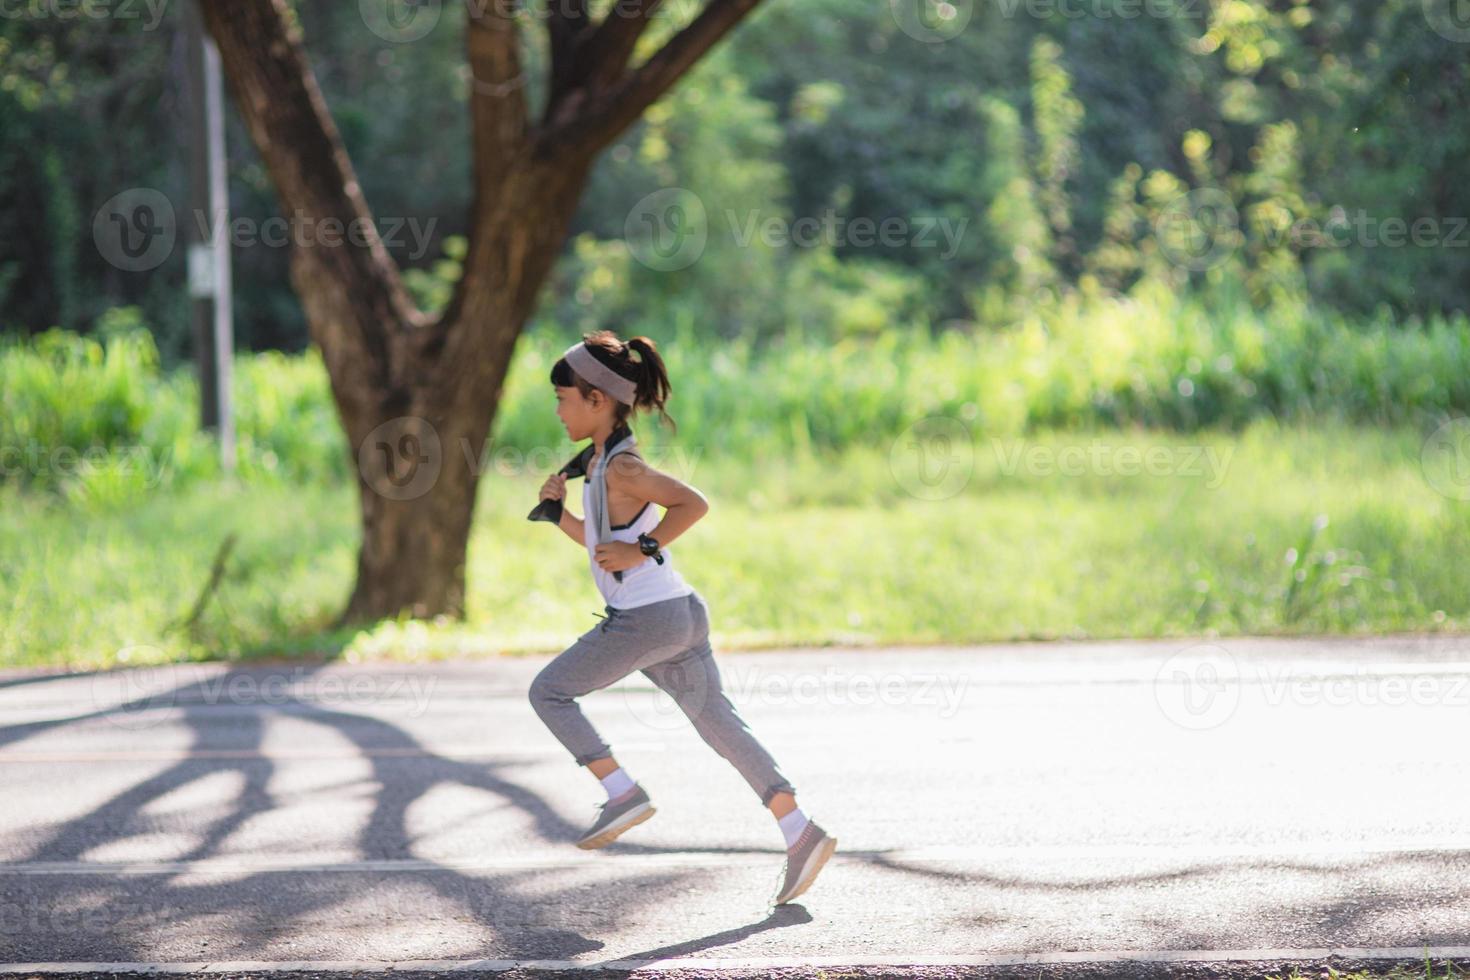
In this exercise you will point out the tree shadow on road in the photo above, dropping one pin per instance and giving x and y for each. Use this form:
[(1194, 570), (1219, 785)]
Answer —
[(259, 911)]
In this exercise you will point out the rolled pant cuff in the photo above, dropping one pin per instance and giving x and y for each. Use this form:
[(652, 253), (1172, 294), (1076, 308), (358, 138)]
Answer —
[(771, 792), (582, 760)]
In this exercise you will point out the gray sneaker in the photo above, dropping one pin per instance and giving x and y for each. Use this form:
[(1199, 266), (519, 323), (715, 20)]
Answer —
[(619, 814), (804, 859)]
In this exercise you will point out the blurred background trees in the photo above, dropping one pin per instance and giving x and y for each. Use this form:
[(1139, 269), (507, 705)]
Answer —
[(1062, 141)]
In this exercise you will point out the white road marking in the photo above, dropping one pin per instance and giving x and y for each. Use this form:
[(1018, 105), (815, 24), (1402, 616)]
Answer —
[(462, 751), (950, 856), (1416, 953)]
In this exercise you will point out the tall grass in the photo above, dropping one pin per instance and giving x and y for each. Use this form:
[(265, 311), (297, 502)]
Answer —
[(98, 419), (1323, 530)]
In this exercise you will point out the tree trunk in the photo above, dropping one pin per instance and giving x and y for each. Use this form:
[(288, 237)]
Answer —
[(417, 394), (419, 459)]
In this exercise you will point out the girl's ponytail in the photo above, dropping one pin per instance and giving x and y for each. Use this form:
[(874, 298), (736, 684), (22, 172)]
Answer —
[(652, 377)]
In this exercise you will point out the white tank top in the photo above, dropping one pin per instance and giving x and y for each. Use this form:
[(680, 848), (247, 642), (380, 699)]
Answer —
[(641, 584)]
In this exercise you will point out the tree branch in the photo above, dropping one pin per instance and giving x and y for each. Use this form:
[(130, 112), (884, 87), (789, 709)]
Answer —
[(592, 116), (277, 95), (499, 133), (612, 43), (567, 29)]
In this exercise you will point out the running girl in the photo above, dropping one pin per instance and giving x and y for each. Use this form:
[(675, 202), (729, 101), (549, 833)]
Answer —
[(655, 621)]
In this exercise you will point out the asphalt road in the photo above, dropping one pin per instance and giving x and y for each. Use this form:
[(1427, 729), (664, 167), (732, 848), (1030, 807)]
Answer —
[(1164, 806)]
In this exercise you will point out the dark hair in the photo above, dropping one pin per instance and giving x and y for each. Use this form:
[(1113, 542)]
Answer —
[(647, 372)]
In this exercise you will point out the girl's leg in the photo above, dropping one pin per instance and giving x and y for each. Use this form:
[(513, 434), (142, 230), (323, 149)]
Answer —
[(692, 679), (608, 652), (782, 804)]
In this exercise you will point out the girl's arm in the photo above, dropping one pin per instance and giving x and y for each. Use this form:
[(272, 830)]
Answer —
[(682, 503), (573, 526), (555, 488)]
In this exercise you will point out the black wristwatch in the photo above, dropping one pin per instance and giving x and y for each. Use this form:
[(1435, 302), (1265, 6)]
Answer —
[(649, 547)]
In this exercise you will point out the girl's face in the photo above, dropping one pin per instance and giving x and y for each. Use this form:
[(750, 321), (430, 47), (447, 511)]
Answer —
[(581, 416)]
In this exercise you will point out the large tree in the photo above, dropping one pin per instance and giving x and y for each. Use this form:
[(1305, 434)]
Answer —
[(417, 394)]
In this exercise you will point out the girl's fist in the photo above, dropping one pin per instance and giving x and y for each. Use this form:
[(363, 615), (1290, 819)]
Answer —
[(555, 487)]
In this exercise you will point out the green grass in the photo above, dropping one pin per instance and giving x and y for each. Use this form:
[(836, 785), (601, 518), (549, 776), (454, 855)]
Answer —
[(805, 549), (1451, 970)]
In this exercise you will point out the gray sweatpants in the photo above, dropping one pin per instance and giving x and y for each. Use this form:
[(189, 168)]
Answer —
[(668, 641)]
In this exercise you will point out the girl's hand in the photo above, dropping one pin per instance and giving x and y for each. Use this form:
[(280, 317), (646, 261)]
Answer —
[(555, 487), (618, 556)]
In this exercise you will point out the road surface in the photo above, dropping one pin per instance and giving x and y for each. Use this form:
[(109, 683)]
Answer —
[(1164, 805)]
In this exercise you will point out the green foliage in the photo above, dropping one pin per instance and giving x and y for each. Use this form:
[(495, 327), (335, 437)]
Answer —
[(1017, 552), (81, 413), (1027, 128)]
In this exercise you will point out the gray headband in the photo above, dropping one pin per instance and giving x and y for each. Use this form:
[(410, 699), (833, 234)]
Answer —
[(598, 374)]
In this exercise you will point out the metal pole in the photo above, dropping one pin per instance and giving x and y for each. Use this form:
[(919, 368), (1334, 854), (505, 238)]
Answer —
[(208, 232)]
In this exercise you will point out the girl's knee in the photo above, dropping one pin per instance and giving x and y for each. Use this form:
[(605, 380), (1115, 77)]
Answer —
[(544, 688)]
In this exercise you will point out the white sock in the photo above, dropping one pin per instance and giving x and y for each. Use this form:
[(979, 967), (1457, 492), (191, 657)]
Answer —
[(792, 825), (617, 783)]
